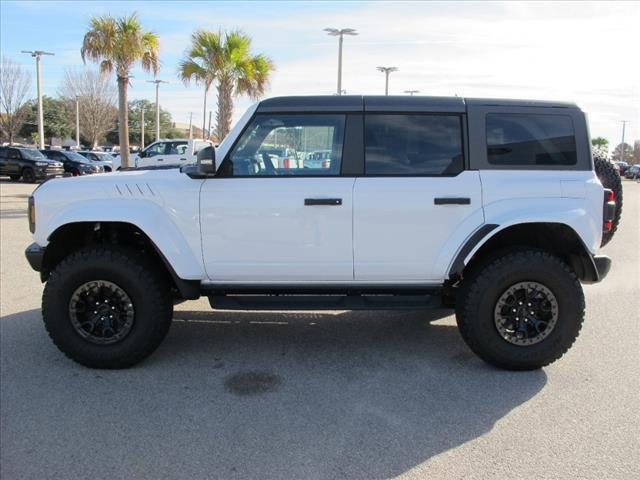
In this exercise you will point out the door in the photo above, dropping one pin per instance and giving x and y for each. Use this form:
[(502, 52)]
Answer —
[(12, 164), (176, 153), (154, 154), (416, 204), (264, 223)]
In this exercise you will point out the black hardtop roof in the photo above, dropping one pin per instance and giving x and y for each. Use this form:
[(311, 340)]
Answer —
[(397, 103)]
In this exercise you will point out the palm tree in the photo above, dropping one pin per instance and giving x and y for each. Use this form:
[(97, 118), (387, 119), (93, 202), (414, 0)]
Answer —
[(227, 59), (118, 44)]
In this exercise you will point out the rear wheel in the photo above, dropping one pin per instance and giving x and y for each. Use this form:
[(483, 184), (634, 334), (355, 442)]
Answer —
[(610, 178), (28, 175), (106, 308), (521, 311)]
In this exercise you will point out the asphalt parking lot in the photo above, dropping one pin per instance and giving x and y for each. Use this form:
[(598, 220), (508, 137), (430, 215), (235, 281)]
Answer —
[(319, 395)]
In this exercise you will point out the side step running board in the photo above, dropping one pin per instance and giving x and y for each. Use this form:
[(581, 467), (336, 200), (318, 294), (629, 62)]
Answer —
[(324, 302)]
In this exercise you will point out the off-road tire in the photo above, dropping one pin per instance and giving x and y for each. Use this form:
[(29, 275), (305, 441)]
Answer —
[(484, 285), (610, 178), (145, 286), (28, 175)]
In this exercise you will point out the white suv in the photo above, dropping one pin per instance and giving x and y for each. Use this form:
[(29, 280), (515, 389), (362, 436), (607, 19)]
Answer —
[(490, 207)]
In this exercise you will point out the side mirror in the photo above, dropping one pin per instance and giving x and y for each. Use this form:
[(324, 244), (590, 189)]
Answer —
[(141, 154), (207, 161)]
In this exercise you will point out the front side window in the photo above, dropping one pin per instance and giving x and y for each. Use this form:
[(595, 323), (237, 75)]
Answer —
[(32, 154), (421, 144), (528, 139), (286, 145), (155, 149), (197, 146)]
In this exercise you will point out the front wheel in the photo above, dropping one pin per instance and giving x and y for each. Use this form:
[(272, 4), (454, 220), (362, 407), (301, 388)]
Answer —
[(521, 311), (106, 307), (28, 175)]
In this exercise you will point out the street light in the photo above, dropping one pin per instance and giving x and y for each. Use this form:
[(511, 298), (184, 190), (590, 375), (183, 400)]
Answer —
[(37, 54), (78, 121), (411, 92), (387, 71), (334, 32), (157, 82)]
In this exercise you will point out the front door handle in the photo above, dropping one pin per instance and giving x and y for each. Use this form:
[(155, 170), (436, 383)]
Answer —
[(452, 201), (322, 201)]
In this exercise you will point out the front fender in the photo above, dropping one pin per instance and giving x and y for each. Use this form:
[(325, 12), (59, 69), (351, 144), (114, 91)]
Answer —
[(181, 251)]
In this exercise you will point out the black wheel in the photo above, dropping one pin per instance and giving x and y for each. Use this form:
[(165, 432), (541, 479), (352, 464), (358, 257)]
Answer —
[(106, 308), (28, 175), (521, 311), (14, 178), (610, 178)]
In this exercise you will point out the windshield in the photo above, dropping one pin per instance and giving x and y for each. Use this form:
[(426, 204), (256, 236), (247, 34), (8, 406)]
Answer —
[(105, 157), (32, 154), (76, 156)]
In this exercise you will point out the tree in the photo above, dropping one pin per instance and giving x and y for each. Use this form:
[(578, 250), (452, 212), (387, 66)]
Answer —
[(96, 99), (56, 115), (14, 85), (600, 142), (227, 58), (166, 124), (118, 44), (628, 153)]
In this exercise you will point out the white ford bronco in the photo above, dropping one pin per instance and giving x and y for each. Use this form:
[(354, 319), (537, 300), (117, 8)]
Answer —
[(490, 207)]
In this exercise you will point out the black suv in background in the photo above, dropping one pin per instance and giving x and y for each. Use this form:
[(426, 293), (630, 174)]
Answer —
[(74, 163), (29, 164)]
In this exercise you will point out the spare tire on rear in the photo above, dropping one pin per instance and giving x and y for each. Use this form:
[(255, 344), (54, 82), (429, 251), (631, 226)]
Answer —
[(610, 178)]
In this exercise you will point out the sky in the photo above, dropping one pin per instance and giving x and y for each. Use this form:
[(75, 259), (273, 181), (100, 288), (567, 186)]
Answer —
[(586, 52)]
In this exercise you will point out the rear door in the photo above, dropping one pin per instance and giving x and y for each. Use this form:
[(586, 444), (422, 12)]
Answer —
[(416, 203), (264, 223)]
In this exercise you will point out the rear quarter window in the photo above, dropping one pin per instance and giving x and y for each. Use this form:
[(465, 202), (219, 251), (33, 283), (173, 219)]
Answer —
[(530, 139)]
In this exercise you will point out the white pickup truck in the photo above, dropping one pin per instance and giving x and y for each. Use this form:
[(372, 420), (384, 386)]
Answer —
[(491, 207), (174, 151)]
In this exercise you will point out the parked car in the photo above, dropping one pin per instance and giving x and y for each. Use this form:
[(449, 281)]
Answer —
[(281, 157), (633, 172), (105, 160), (28, 164), (74, 163), (622, 167), (319, 159), (176, 151), (491, 207)]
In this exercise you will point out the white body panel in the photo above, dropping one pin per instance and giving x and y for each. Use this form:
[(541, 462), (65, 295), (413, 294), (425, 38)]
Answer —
[(398, 231), (163, 204), (259, 229)]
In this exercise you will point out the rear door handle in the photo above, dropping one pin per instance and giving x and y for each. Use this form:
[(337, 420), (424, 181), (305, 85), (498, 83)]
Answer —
[(452, 201), (322, 201)]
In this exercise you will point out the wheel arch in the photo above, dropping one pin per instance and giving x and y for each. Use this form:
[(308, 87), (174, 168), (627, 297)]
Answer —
[(70, 237), (555, 237)]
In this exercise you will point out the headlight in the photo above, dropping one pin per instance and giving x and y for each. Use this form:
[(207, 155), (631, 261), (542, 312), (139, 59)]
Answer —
[(42, 164)]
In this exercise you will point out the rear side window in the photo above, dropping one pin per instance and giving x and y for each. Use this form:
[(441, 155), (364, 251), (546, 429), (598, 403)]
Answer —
[(522, 139), (413, 144)]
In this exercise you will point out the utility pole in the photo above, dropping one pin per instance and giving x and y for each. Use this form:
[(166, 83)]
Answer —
[(190, 123), (142, 128), (387, 71), (340, 33), (157, 82), (624, 124), (209, 130), (37, 54), (411, 92), (78, 121)]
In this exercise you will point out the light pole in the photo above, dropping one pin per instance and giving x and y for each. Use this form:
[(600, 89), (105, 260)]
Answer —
[(387, 71), (142, 127), (624, 124), (340, 33), (209, 129), (190, 123), (157, 82), (411, 92), (37, 54), (78, 121)]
